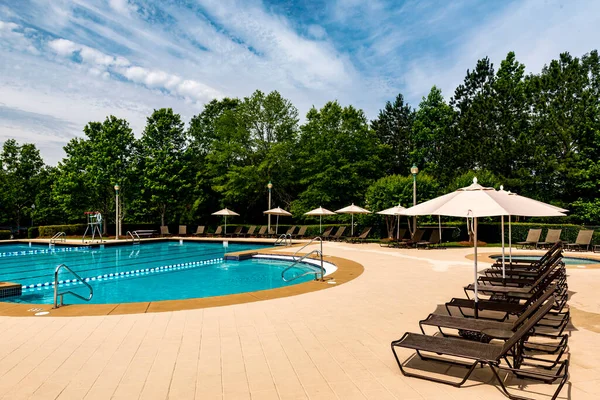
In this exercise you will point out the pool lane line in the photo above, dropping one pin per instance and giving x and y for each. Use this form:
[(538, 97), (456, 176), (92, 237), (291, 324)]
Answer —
[(42, 251)]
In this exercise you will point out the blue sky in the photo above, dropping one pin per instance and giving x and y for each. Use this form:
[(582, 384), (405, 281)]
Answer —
[(66, 62)]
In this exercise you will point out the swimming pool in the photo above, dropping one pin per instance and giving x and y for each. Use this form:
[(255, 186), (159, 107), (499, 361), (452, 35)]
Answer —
[(566, 260), (146, 272)]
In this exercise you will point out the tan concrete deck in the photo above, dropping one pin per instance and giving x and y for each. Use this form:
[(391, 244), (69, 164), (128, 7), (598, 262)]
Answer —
[(328, 344)]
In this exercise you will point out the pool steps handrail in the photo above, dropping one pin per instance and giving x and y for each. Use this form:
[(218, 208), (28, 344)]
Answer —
[(300, 259), (62, 236), (80, 279), (134, 239), (285, 239)]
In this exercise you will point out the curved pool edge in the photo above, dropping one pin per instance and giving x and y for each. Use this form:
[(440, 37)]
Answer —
[(487, 258), (347, 270)]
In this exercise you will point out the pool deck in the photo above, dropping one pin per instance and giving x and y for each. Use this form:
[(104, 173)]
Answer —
[(326, 344)]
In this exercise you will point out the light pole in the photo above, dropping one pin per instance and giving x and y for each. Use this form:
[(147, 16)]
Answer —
[(414, 171), (270, 186), (117, 222), (32, 211)]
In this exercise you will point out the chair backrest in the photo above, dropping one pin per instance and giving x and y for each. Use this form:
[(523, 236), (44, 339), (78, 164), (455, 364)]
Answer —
[(552, 265), (418, 235), (553, 235), (183, 229), (401, 233), (527, 326), (302, 230), (533, 307), (200, 230), (262, 230), (238, 230), (291, 230), (584, 237), (533, 235), (251, 230), (434, 237), (340, 232), (219, 230), (365, 233), (327, 232), (164, 230)]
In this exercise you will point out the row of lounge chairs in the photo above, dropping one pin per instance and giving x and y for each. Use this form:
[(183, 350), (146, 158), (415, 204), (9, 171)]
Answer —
[(261, 232), (583, 241), (416, 241), (519, 329)]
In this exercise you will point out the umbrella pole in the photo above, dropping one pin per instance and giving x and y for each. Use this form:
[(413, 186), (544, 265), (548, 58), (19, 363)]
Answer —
[(503, 251), (352, 226), (440, 227), (320, 224), (225, 234), (398, 232), (475, 267), (277, 226), (509, 242)]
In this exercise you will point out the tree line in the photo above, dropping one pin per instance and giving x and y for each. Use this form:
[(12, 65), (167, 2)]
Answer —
[(538, 134)]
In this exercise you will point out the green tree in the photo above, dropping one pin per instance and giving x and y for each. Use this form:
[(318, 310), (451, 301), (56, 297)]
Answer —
[(163, 163), (93, 165), (21, 165), (393, 127)]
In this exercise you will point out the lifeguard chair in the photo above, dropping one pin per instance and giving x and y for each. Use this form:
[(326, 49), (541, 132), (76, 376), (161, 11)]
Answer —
[(94, 222)]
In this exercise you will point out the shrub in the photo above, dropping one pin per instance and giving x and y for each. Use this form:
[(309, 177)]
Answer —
[(4, 235), (33, 232), (70, 230)]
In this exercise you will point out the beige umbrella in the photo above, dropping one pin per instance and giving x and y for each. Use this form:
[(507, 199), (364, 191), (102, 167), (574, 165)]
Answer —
[(476, 201), (352, 209), (396, 211), (226, 213), (320, 212), (277, 211)]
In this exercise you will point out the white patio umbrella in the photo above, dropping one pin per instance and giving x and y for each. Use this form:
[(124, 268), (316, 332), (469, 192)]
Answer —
[(396, 211), (352, 209), (226, 213), (526, 205), (475, 201), (277, 211), (320, 212)]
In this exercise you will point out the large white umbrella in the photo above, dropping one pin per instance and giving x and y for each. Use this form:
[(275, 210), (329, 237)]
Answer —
[(526, 205), (352, 209), (396, 211), (278, 211), (475, 201), (226, 213), (320, 212)]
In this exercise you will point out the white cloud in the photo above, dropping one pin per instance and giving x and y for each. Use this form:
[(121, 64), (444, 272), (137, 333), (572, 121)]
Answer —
[(12, 37)]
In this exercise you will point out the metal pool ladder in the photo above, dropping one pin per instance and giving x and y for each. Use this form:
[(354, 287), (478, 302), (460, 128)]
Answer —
[(62, 236), (298, 260), (80, 279), (284, 240), (135, 239)]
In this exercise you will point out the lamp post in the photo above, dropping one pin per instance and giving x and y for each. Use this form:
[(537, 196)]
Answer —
[(414, 171), (32, 211), (270, 186), (117, 222)]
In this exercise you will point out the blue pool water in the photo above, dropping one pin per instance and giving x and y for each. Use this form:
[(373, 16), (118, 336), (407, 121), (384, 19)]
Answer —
[(566, 260), (145, 272)]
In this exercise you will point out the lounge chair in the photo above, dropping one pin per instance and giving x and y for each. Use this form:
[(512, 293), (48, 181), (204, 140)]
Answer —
[(236, 232), (484, 354), (533, 238), (415, 238), (552, 237), (262, 231), (219, 231), (291, 230), (362, 237), (327, 233), (301, 232), (434, 239), (164, 231), (583, 241), (526, 264), (200, 231), (394, 242), (250, 231), (182, 230), (495, 275), (338, 234)]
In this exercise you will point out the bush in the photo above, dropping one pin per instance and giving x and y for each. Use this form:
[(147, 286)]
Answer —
[(70, 230), (33, 232), (4, 235)]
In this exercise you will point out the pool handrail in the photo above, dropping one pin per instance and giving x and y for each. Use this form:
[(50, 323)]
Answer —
[(285, 238), (79, 278), (296, 261)]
